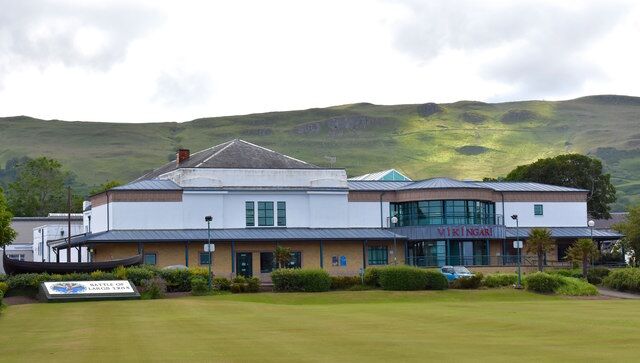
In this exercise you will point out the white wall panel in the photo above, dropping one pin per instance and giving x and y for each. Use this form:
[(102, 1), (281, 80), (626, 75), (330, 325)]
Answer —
[(556, 214)]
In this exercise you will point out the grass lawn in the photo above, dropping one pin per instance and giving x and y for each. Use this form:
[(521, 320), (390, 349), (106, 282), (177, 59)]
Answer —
[(485, 325)]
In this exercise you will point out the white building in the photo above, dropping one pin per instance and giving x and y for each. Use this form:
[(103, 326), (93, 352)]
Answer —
[(259, 198)]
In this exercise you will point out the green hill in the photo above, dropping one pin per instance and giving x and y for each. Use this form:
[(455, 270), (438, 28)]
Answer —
[(467, 140)]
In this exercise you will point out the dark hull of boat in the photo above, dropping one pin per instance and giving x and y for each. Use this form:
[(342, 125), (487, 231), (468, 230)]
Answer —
[(12, 267)]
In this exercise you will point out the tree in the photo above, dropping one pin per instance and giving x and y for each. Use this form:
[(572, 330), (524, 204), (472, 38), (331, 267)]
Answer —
[(282, 256), (39, 188), (539, 242), (583, 251), (7, 234), (105, 186), (576, 171), (630, 229)]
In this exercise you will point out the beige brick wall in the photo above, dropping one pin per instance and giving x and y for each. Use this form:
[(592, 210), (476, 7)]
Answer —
[(168, 254)]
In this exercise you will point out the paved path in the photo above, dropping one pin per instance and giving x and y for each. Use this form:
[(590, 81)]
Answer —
[(617, 294)]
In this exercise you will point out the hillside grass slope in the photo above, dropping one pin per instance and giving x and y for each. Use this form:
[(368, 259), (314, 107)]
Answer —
[(465, 140)]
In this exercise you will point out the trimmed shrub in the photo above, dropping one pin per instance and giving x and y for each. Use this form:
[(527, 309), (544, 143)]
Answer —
[(576, 273), (3, 277), (309, 280), (120, 273), (542, 282), (4, 287), (575, 287), (500, 280), (345, 282), (199, 285), (199, 271), (101, 275), (178, 279), (1, 297), (624, 279), (253, 284), (471, 282), (372, 276), (153, 288), (221, 284), (403, 278), (139, 274), (238, 284), (27, 281), (435, 280)]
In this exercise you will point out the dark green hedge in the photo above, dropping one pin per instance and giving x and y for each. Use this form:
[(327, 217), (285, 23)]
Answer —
[(471, 282), (309, 280), (406, 278), (345, 282), (542, 282)]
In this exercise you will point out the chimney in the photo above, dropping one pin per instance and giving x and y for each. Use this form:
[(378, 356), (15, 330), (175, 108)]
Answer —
[(182, 155)]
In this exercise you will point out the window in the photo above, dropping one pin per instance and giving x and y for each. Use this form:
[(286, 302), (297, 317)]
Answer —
[(378, 255), (204, 258), (19, 257), (537, 209), (267, 262), (282, 214), (250, 213), (150, 259), (265, 213), (296, 260)]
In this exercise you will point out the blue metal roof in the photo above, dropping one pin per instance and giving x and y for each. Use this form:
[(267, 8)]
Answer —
[(240, 234), (448, 183), (567, 232)]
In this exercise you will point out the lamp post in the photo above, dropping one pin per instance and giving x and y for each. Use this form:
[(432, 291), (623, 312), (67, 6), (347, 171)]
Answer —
[(518, 244), (592, 224), (394, 221), (208, 219)]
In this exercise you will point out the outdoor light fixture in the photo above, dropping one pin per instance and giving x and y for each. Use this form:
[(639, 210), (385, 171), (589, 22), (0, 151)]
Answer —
[(208, 219), (518, 245), (394, 221)]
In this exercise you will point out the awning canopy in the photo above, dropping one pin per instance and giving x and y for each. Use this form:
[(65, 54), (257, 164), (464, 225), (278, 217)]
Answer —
[(240, 234)]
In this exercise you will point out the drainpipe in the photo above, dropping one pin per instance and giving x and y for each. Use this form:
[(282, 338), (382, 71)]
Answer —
[(107, 193)]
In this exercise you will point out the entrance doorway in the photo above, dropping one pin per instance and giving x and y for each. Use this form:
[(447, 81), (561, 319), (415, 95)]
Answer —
[(244, 264)]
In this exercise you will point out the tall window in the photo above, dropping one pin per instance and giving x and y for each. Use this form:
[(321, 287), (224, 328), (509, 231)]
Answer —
[(378, 255), (538, 210), (267, 262), (282, 214), (296, 260), (250, 214), (265, 213)]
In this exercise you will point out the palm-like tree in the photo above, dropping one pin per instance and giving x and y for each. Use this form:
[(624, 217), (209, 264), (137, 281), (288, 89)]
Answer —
[(583, 251), (282, 256), (539, 242)]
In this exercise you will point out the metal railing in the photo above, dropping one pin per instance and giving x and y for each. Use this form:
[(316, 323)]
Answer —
[(482, 260), (449, 219)]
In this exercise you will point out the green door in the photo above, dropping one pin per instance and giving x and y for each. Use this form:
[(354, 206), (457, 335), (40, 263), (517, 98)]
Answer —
[(244, 264)]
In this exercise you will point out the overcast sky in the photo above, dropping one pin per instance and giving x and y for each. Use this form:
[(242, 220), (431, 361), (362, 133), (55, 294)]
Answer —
[(143, 61)]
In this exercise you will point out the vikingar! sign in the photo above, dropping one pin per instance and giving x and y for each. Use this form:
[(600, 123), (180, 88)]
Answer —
[(465, 231)]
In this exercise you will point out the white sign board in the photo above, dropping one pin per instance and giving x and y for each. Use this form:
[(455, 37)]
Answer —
[(89, 287), (517, 244), (206, 247)]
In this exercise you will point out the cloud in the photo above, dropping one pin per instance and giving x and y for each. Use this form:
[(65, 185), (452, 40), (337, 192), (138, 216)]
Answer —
[(536, 48), (89, 35), (180, 89)]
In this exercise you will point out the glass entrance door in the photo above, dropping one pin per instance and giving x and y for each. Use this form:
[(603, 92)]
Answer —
[(244, 264)]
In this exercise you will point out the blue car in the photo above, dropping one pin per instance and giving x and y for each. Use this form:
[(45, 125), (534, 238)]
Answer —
[(455, 272)]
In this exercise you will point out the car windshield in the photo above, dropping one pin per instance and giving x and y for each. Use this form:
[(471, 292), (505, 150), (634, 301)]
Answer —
[(461, 270)]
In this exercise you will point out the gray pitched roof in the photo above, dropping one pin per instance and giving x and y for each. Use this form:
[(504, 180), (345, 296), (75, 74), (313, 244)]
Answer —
[(153, 184), (234, 154), (567, 232), (239, 234), (446, 183)]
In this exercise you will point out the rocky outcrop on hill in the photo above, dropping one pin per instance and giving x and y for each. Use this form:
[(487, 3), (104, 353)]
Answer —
[(516, 116), (473, 117), (428, 109)]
